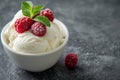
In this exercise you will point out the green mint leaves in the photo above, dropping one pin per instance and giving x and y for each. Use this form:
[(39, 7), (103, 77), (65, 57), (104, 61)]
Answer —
[(43, 20), (29, 10), (37, 9)]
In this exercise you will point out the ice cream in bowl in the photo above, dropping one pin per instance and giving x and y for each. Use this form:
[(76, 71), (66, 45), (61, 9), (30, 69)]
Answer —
[(34, 39)]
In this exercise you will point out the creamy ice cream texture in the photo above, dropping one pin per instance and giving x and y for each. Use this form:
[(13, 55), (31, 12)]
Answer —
[(29, 43)]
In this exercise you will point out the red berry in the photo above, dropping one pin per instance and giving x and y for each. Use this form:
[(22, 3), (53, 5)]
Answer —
[(47, 13), (23, 24), (38, 29), (71, 60)]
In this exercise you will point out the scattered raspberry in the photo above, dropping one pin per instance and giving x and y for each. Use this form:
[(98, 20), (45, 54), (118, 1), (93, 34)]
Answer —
[(71, 60), (23, 24), (48, 13), (38, 29)]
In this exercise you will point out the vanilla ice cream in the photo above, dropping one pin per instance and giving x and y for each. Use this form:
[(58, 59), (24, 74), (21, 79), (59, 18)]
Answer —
[(29, 43)]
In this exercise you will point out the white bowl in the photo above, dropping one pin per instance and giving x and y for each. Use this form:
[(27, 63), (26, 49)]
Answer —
[(35, 62)]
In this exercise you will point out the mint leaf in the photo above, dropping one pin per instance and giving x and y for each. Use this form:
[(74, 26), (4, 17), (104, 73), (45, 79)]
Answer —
[(43, 20), (26, 13), (30, 3), (37, 9), (27, 5), (26, 8)]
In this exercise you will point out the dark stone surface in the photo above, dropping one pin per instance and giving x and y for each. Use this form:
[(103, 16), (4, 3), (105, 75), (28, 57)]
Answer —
[(94, 27)]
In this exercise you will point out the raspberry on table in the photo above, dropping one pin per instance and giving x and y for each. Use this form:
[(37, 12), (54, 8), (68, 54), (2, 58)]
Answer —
[(71, 60), (38, 29), (23, 24), (47, 13)]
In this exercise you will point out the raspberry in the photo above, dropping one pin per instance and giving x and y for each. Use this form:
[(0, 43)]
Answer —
[(71, 60), (38, 29), (47, 13), (23, 24)]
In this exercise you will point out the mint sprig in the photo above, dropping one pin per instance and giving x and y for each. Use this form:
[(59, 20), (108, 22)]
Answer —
[(29, 10)]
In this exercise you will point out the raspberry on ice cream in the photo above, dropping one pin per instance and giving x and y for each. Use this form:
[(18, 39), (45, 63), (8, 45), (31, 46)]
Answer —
[(48, 13), (23, 24), (38, 29)]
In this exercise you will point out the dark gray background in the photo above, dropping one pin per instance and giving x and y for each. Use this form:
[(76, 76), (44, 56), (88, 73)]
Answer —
[(94, 27)]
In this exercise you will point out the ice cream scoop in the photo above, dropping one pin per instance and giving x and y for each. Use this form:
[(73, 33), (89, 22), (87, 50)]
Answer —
[(29, 43)]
